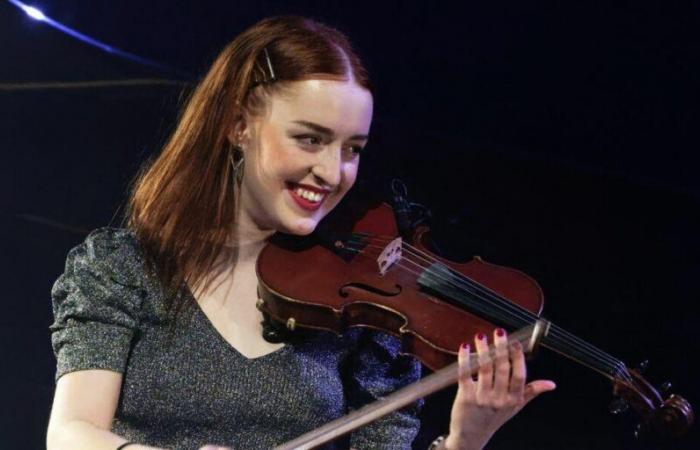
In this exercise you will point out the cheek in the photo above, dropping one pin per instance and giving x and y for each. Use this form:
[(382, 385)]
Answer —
[(277, 161), (350, 173)]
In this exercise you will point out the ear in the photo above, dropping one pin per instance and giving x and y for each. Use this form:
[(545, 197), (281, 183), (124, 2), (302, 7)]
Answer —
[(238, 133)]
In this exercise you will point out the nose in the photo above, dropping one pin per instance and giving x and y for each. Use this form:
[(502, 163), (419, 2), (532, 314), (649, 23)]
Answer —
[(328, 167)]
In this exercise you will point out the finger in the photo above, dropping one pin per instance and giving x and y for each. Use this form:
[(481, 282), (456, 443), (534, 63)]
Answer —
[(484, 385), (501, 364), (519, 371), (466, 382), (537, 387)]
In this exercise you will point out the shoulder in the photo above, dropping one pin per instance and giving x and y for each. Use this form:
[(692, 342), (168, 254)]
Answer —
[(113, 251), (107, 270), (110, 243), (99, 302)]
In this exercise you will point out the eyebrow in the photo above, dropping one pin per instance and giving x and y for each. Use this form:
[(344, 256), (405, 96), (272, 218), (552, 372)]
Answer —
[(327, 131)]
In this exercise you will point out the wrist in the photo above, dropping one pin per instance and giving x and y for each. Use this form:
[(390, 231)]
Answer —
[(438, 443), (462, 442)]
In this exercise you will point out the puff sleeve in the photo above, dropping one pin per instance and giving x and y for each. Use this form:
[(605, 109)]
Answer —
[(96, 303), (377, 368)]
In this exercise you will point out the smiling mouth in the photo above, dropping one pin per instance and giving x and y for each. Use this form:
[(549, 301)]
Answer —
[(307, 198)]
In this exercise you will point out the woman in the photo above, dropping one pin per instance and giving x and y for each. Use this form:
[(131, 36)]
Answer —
[(156, 334)]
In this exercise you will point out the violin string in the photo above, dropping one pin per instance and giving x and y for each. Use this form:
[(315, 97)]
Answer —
[(526, 317), (556, 334), (557, 331), (571, 353), (616, 367)]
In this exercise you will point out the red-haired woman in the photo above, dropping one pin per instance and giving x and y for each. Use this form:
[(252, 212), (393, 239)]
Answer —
[(156, 334)]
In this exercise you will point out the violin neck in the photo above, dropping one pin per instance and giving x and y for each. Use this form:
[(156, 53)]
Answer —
[(447, 284), (580, 351)]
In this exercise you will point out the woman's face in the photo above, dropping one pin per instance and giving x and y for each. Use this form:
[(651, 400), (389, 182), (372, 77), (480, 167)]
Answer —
[(302, 155)]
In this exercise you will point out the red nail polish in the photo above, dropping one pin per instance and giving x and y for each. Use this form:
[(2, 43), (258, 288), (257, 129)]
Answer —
[(465, 346), (481, 336), (500, 332)]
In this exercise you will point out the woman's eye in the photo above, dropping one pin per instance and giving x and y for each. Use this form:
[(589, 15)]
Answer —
[(353, 151), (308, 139), (314, 141)]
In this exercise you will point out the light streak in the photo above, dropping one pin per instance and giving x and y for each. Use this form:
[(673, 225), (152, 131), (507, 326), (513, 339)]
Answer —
[(38, 15)]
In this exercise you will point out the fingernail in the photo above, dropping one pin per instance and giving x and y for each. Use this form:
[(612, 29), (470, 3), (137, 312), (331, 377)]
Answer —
[(500, 332), (465, 346), (481, 336)]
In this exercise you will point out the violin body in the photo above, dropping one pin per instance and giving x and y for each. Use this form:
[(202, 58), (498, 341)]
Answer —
[(348, 292)]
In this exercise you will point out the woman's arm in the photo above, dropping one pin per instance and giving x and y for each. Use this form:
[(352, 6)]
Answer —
[(96, 304), (83, 409)]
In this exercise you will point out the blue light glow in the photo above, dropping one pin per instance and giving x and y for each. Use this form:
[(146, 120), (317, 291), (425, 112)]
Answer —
[(36, 14)]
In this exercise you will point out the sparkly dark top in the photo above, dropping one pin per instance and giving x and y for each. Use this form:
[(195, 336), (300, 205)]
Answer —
[(185, 389)]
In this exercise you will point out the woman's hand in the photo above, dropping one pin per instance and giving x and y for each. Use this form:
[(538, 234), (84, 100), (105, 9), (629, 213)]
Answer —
[(481, 407)]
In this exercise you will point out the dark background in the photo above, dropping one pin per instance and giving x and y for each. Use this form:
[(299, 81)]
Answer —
[(558, 138)]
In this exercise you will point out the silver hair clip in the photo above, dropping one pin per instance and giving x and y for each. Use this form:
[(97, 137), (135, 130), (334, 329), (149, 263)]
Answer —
[(269, 65), (271, 72)]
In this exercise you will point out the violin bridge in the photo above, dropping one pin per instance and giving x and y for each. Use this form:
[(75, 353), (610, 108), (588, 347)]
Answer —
[(390, 255)]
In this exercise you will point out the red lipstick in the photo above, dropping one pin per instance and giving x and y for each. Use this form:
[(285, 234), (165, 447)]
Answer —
[(300, 192)]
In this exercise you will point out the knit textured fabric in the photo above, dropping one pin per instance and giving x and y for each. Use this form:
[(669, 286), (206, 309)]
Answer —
[(190, 387)]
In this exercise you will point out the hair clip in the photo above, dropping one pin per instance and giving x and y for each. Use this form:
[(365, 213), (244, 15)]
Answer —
[(269, 66), (267, 79)]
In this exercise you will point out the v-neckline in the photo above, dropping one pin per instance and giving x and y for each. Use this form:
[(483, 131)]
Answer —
[(210, 325)]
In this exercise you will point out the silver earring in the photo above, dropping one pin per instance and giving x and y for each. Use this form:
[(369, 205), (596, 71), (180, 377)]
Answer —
[(236, 165)]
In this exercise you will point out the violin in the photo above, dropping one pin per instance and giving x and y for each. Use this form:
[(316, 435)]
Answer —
[(360, 271)]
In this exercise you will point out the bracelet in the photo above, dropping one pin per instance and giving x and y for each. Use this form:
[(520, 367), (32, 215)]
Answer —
[(436, 444), (124, 445)]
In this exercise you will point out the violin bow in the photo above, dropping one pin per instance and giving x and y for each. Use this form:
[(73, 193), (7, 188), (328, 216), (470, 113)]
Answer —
[(528, 337)]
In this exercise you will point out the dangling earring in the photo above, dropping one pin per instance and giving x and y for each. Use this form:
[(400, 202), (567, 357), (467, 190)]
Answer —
[(236, 165)]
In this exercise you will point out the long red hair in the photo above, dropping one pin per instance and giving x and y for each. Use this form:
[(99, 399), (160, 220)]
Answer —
[(183, 204)]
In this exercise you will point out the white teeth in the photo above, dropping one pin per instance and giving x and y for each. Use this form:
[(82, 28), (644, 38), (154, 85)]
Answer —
[(308, 195)]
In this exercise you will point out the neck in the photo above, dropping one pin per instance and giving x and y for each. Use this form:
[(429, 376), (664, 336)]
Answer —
[(248, 239)]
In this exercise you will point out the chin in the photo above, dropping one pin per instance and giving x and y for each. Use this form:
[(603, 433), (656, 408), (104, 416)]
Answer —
[(301, 227)]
